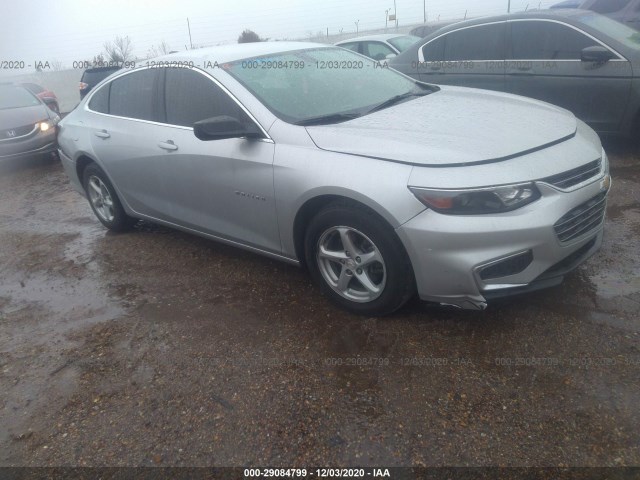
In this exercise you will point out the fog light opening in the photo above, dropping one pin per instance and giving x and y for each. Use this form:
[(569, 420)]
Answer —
[(509, 266)]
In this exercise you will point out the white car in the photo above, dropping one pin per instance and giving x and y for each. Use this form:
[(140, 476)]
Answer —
[(379, 47)]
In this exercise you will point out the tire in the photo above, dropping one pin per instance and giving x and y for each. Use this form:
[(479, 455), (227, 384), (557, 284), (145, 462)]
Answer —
[(104, 201), (376, 278)]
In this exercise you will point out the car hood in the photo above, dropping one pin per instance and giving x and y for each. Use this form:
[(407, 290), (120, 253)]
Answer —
[(454, 126), (20, 117)]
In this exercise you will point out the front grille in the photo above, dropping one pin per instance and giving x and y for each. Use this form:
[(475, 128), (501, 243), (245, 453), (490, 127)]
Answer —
[(582, 219), (11, 133), (575, 176)]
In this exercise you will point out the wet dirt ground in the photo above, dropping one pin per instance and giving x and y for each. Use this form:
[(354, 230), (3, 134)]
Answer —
[(159, 348)]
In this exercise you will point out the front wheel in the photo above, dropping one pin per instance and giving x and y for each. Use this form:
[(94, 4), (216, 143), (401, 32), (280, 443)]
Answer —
[(358, 260), (104, 201)]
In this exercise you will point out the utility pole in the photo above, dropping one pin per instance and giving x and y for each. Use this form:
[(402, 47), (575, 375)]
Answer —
[(357, 30), (509, 7), (395, 11), (189, 27), (424, 10)]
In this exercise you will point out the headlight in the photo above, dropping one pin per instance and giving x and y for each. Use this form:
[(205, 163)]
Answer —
[(48, 124), (478, 201)]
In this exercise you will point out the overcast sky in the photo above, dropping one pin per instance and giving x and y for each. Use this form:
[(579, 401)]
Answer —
[(68, 30)]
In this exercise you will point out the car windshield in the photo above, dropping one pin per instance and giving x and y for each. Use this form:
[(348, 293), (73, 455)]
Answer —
[(616, 30), (16, 97), (323, 85), (403, 42)]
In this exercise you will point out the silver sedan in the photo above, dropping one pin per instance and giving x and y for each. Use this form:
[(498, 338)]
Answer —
[(382, 186)]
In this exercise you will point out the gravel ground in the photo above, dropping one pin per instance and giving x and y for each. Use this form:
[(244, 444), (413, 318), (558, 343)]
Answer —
[(157, 348)]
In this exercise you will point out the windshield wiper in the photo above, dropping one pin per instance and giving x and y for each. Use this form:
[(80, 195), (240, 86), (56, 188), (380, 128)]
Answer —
[(397, 99), (328, 119)]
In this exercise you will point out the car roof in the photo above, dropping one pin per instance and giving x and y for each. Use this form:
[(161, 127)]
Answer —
[(380, 37), (239, 51), (571, 15)]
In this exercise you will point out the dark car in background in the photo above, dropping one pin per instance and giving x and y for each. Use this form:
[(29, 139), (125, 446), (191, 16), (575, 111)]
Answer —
[(93, 76), (27, 125), (576, 59), (47, 96), (624, 11)]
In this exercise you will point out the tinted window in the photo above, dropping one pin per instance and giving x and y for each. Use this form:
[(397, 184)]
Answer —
[(547, 41), (486, 42), (434, 51), (100, 100), (609, 6), (377, 50), (133, 95), (191, 97)]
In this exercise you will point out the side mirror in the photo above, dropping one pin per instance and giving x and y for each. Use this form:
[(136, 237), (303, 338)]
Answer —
[(223, 127), (597, 54), (390, 56)]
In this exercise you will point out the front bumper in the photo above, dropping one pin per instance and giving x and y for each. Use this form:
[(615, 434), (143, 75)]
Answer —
[(37, 143), (448, 252)]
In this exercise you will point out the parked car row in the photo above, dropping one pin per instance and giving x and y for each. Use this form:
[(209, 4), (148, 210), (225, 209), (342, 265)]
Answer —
[(382, 185)]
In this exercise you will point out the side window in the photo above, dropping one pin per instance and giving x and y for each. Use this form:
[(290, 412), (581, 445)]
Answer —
[(134, 95), (486, 42), (191, 97), (434, 51), (351, 46), (100, 100), (609, 6), (547, 41), (377, 50)]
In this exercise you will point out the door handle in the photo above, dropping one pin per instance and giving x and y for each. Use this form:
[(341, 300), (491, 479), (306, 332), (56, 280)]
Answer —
[(103, 134), (168, 145)]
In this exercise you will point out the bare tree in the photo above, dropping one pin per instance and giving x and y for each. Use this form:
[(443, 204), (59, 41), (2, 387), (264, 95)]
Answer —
[(249, 36), (119, 51), (98, 60), (57, 66), (160, 49)]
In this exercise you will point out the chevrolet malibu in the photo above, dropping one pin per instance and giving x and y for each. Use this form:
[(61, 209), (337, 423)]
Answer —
[(382, 186)]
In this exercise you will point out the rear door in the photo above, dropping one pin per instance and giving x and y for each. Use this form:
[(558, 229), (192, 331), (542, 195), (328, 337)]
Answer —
[(544, 62), (470, 57), (126, 112)]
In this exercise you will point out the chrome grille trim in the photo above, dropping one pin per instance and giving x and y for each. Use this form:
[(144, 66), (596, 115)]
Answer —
[(582, 219), (575, 176), (21, 132)]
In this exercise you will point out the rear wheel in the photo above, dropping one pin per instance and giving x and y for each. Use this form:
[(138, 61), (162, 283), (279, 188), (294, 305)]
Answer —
[(358, 260), (104, 200)]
